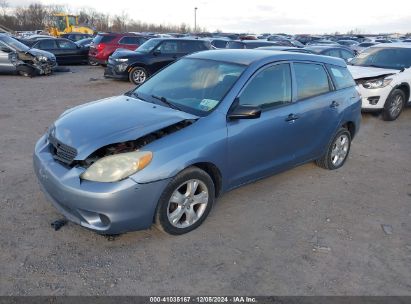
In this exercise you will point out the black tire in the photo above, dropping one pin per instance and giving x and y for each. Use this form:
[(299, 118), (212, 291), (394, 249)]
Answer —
[(162, 221), (26, 71), (326, 161), (133, 77), (392, 109), (93, 62)]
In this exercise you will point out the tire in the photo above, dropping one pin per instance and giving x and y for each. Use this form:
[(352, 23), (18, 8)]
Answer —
[(330, 160), (138, 75), (180, 210), (26, 71), (93, 62), (394, 105)]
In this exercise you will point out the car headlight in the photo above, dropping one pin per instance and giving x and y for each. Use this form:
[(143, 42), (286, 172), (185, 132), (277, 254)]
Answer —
[(121, 59), (376, 84), (116, 167), (42, 58)]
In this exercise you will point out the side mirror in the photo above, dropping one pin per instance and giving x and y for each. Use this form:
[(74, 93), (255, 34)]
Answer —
[(349, 59), (244, 112), (156, 52), (5, 49)]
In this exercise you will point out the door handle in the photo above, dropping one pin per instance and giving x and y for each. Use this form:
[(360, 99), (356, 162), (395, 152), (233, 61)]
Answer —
[(292, 118), (334, 104)]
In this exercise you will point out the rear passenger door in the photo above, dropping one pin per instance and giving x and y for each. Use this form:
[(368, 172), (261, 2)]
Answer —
[(318, 109), (69, 51)]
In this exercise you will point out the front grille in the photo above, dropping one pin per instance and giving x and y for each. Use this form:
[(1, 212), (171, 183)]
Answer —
[(62, 152)]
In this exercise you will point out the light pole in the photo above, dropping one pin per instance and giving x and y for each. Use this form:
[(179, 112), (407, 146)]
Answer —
[(195, 19)]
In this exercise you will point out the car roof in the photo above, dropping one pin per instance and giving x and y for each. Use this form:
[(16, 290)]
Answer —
[(392, 45), (317, 48), (249, 57)]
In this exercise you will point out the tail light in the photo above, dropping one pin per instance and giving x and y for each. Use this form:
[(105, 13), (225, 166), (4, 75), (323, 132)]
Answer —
[(100, 47)]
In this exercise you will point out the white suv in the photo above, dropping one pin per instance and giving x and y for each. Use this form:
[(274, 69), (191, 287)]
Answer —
[(383, 75)]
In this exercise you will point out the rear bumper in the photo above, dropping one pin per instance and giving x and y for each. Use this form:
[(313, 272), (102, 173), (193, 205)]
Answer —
[(107, 208), (96, 59)]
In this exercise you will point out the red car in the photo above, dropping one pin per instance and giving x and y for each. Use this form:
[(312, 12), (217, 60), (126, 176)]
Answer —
[(104, 44)]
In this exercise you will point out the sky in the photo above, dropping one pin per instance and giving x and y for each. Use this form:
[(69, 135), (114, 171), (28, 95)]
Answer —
[(260, 16)]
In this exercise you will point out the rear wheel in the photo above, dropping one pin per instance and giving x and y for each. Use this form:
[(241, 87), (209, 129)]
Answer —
[(186, 202), (138, 75), (337, 152), (93, 62), (394, 105)]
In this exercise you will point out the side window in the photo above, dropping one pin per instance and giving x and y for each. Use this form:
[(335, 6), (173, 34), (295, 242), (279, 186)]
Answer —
[(64, 44), (168, 47), (47, 45), (188, 47), (311, 80), (332, 53), (269, 88), (346, 55), (129, 40), (341, 76)]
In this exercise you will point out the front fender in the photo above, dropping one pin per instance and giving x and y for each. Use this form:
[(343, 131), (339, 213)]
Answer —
[(203, 142)]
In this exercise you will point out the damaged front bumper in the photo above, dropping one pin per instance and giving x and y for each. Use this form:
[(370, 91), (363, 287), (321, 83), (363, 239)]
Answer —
[(107, 208), (33, 64)]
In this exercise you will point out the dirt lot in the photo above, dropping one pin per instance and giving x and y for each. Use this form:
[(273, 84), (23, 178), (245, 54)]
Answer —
[(258, 240)]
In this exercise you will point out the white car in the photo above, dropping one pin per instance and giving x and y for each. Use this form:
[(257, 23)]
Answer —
[(383, 75)]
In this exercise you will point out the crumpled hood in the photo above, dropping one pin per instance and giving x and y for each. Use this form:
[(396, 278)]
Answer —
[(113, 120), (359, 72)]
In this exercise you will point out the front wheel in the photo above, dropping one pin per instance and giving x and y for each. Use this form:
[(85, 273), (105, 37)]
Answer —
[(394, 105), (138, 75), (186, 202), (337, 151)]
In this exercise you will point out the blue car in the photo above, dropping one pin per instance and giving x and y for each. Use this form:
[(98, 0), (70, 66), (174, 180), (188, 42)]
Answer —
[(208, 123)]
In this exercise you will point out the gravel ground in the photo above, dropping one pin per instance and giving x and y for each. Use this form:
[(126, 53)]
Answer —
[(307, 231)]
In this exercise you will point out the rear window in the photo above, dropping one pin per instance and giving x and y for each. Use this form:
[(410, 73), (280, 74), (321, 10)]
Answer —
[(312, 80), (341, 76), (103, 39)]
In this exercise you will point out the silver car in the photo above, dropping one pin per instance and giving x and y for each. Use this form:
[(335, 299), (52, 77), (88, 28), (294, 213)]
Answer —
[(18, 57)]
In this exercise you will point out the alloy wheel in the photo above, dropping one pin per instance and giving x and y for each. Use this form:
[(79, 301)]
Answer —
[(139, 76), (340, 150), (396, 105), (187, 203)]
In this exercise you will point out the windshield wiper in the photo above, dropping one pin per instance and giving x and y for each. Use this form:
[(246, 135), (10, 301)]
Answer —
[(135, 94), (165, 101)]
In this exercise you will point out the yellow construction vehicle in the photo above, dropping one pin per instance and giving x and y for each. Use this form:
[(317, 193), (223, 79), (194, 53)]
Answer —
[(64, 23)]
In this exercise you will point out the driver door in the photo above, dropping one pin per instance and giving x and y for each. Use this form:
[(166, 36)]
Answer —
[(261, 146), (164, 54)]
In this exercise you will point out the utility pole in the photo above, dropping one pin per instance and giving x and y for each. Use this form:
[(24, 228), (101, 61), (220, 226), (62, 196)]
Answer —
[(195, 19)]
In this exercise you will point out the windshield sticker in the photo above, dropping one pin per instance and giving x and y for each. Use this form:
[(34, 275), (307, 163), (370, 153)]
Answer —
[(208, 104)]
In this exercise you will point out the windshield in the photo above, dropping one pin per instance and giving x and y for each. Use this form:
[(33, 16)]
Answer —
[(14, 44), (193, 85), (148, 46), (387, 58)]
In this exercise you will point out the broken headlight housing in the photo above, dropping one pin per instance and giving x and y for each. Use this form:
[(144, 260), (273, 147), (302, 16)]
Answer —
[(42, 58), (117, 167), (376, 83)]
